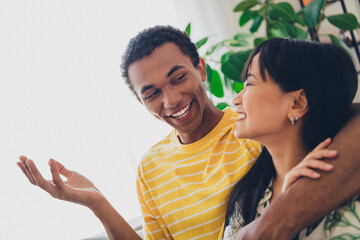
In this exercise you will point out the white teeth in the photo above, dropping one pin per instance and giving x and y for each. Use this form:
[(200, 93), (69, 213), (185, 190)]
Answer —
[(181, 112), (242, 115)]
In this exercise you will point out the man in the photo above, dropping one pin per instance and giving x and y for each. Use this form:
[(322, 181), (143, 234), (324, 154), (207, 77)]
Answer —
[(184, 181)]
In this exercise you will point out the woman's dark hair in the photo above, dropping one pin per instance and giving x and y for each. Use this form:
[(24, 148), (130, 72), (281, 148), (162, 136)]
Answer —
[(146, 41), (328, 77)]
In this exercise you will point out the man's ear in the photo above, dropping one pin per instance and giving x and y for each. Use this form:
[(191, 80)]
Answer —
[(299, 105), (202, 69)]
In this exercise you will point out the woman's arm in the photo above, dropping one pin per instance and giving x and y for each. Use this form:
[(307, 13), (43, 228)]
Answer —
[(308, 200)]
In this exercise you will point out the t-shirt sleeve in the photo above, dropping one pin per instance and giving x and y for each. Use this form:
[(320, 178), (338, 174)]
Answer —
[(254, 147), (154, 227), (258, 147)]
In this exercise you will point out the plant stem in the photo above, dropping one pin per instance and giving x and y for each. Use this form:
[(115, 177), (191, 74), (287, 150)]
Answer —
[(264, 4), (317, 27)]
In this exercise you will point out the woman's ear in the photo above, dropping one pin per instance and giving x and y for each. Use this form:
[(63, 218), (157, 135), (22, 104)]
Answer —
[(299, 105)]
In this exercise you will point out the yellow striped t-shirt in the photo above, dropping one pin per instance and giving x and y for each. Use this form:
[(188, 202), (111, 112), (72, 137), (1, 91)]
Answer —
[(183, 189)]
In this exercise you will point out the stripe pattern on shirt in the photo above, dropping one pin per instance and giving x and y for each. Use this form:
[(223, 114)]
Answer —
[(183, 189)]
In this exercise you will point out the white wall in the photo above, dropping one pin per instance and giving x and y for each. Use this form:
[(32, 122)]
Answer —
[(62, 96)]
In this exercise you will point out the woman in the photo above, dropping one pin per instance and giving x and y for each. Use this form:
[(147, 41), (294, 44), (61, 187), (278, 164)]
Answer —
[(296, 94)]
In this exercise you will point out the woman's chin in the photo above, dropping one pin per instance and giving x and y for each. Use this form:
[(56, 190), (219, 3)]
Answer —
[(239, 133)]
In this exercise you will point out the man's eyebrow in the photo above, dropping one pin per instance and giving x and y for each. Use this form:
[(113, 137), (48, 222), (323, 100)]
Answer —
[(144, 88), (173, 69)]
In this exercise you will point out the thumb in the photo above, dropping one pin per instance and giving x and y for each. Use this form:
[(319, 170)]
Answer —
[(62, 170)]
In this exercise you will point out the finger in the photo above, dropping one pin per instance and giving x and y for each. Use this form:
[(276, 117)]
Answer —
[(316, 164), (30, 171), (288, 181), (323, 144), (20, 165), (307, 172), (23, 158), (55, 175), (320, 154), (41, 181), (62, 170), (26, 169), (290, 178), (296, 173)]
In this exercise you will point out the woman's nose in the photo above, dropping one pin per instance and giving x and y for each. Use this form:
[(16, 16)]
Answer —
[(238, 99)]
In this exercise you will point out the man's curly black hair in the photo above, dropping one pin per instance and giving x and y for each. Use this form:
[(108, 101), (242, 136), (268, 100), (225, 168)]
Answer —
[(146, 41)]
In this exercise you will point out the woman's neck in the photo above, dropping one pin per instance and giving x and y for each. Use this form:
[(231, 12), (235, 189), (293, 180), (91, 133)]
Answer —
[(287, 150)]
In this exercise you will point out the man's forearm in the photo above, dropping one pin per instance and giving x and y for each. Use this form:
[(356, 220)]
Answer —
[(308, 200)]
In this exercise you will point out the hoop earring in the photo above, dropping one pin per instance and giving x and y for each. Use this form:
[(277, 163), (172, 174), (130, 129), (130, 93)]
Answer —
[(294, 120)]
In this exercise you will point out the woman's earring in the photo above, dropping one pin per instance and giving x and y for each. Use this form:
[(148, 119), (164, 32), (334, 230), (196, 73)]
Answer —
[(293, 120)]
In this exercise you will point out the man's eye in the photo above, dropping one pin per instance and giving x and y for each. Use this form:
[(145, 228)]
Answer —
[(152, 95), (178, 79)]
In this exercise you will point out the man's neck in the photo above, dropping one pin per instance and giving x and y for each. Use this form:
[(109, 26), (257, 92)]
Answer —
[(211, 117)]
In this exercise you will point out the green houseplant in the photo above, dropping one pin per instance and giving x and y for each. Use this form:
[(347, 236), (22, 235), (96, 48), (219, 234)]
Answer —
[(278, 20)]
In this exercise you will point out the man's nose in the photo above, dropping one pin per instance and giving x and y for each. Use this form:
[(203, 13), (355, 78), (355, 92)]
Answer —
[(171, 98)]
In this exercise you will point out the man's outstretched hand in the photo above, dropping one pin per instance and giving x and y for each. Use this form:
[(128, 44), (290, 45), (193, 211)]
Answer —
[(76, 188)]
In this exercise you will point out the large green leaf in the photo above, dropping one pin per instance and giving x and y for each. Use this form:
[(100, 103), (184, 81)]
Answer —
[(242, 36), (311, 13), (299, 20), (212, 49), (237, 86), (340, 43), (346, 21), (284, 11), (234, 65), (201, 42), (188, 29), (301, 34), (246, 16), (245, 5), (239, 43), (225, 57), (275, 33), (216, 86), (257, 41), (256, 24), (241, 39), (222, 105), (277, 29), (228, 81), (231, 70), (291, 29)]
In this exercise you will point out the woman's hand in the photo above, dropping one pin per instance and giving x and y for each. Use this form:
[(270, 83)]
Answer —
[(312, 161), (76, 188)]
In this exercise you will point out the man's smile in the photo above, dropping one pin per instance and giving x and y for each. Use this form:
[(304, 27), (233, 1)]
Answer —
[(182, 114)]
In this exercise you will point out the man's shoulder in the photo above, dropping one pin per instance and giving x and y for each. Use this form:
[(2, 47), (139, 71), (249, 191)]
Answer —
[(163, 145)]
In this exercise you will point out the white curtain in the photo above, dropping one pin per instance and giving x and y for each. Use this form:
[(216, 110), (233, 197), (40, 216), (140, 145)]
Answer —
[(62, 97)]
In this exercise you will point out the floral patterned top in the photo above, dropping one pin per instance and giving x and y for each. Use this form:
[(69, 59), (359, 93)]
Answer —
[(341, 224)]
